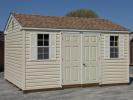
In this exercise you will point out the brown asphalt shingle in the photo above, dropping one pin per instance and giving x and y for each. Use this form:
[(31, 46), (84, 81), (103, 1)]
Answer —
[(37, 21)]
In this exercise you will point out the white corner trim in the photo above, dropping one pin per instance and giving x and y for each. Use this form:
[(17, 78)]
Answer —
[(75, 30), (61, 78), (24, 62), (100, 68)]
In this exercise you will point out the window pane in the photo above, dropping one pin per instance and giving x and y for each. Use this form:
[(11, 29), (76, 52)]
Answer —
[(40, 36), (116, 43), (111, 38), (46, 36), (115, 55), (46, 56), (46, 50), (112, 50), (116, 38), (111, 55), (40, 56), (116, 49), (40, 50), (40, 43), (111, 43), (46, 43)]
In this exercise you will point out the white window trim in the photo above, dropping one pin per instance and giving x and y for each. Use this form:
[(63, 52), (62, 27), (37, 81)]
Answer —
[(118, 47), (40, 60), (114, 46), (50, 48), (112, 34)]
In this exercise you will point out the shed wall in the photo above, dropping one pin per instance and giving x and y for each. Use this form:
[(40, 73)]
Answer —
[(14, 54), (41, 74), (115, 70)]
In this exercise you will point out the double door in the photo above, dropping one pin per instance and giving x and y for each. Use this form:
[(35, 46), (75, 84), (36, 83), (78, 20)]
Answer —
[(80, 58)]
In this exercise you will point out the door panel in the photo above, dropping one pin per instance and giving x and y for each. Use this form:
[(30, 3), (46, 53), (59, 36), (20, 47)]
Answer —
[(90, 55), (71, 59)]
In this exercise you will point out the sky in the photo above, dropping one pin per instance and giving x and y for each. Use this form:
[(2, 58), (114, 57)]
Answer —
[(118, 11)]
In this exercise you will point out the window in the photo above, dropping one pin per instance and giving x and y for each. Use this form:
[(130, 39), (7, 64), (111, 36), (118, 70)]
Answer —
[(43, 46), (114, 48)]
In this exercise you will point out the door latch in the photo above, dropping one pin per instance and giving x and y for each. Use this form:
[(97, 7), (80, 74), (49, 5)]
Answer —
[(83, 64)]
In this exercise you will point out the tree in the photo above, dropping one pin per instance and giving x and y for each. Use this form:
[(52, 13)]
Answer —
[(82, 13)]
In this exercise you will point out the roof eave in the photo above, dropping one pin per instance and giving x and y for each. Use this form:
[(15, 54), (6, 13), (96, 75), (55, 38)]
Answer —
[(79, 30)]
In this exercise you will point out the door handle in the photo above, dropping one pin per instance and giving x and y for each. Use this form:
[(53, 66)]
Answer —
[(84, 64)]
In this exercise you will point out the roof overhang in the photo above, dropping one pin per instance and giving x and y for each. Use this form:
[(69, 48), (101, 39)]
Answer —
[(73, 30)]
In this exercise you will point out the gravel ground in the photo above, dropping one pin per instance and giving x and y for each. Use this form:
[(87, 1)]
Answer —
[(124, 92)]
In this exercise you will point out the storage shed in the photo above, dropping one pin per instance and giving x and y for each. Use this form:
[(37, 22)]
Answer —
[(53, 52)]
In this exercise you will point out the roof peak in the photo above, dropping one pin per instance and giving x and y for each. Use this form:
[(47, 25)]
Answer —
[(16, 13)]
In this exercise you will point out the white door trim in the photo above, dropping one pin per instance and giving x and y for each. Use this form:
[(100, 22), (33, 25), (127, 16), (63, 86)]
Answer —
[(61, 78), (81, 62), (81, 37)]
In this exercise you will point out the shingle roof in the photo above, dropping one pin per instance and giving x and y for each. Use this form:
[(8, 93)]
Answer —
[(37, 21)]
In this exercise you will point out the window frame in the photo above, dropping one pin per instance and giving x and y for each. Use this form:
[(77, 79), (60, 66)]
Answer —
[(114, 46), (43, 46)]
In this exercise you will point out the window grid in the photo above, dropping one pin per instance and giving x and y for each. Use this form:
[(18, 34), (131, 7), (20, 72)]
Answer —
[(114, 48), (43, 46)]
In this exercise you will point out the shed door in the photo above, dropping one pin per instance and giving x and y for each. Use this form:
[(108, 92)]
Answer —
[(90, 58), (71, 58), (80, 58)]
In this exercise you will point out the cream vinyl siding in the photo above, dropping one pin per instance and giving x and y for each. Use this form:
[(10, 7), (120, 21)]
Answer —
[(12, 27), (41, 74), (115, 70), (14, 55)]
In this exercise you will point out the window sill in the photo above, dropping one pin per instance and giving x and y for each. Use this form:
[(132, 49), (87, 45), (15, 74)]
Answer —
[(114, 59), (44, 60)]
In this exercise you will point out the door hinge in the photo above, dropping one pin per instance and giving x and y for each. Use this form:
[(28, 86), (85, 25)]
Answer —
[(62, 38), (62, 59)]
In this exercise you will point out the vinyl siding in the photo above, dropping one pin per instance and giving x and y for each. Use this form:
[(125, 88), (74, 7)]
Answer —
[(115, 70), (16, 27), (14, 54), (42, 74)]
